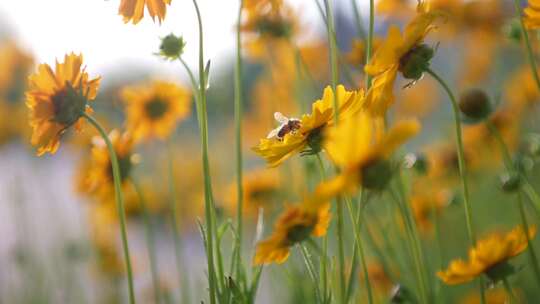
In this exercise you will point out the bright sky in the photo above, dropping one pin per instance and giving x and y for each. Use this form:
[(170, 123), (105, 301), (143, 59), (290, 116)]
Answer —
[(52, 28)]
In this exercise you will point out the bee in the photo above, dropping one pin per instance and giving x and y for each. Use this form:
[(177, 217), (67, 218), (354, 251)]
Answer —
[(287, 125)]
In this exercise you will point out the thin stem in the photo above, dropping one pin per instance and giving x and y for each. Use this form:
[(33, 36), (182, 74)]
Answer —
[(208, 200), (512, 297), (510, 166), (324, 258), (333, 54), (369, 48), (358, 20), (462, 168), (175, 225), (119, 197), (525, 34), (360, 247), (238, 111), (311, 270), (532, 252), (150, 241)]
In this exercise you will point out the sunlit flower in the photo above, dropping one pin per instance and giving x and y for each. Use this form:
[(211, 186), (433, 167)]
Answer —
[(427, 201), (488, 256), (296, 135), (296, 224), (532, 14), (362, 153), (399, 52), (154, 109), (521, 90), (57, 100), (493, 296), (133, 10)]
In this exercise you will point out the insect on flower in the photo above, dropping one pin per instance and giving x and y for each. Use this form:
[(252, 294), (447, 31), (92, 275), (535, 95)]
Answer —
[(287, 125)]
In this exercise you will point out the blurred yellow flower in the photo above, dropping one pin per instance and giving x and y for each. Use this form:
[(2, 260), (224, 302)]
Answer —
[(493, 296), (98, 176), (488, 254), (133, 10), (57, 100), (362, 154), (154, 109), (357, 55), (261, 190), (296, 224), (15, 66), (295, 135), (399, 52), (427, 200), (532, 14)]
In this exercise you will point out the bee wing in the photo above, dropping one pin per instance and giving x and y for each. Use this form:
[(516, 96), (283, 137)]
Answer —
[(280, 118), (274, 133)]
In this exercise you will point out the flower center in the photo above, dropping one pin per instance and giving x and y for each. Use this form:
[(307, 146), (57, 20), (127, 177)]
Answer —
[(298, 233), (275, 27), (263, 194), (156, 108), (124, 164), (376, 174), (68, 104)]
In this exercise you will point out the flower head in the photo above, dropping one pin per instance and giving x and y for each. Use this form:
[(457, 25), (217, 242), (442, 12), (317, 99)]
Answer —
[(487, 256), (296, 224), (98, 176), (532, 14), (295, 135), (399, 52), (57, 100), (362, 153), (154, 109), (133, 10)]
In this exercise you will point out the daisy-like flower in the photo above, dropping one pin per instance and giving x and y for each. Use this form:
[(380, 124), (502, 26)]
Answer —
[(133, 10), (154, 109), (489, 256), (98, 179), (405, 53), (532, 14), (261, 190), (362, 153), (296, 224), (297, 135), (57, 99)]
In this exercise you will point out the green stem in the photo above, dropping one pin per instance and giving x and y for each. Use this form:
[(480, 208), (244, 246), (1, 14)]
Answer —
[(119, 197), (311, 270), (333, 54), (510, 166), (508, 288), (208, 199), (525, 34), (238, 111), (358, 20), (369, 48), (462, 168), (324, 258), (360, 246), (150, 241), (532, 252), (175, 225)]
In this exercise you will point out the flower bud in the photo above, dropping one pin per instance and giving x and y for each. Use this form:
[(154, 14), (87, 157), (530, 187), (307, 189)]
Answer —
[(413, 64), (475, 105), (513, 30), (510, 182), (171, 47), (278, 28)]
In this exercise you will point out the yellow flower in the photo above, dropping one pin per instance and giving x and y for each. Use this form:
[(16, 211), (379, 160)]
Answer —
[(295, 135), (261, 190), (97, 178), (493, 296), (427, 201), (362, 154), (487, 255), (57, 99), (295, 225), (532, 14), (154, 109), (399, 52), (133, 10)]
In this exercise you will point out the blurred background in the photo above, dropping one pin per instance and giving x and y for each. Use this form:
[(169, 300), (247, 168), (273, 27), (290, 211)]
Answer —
[(49, 252)]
